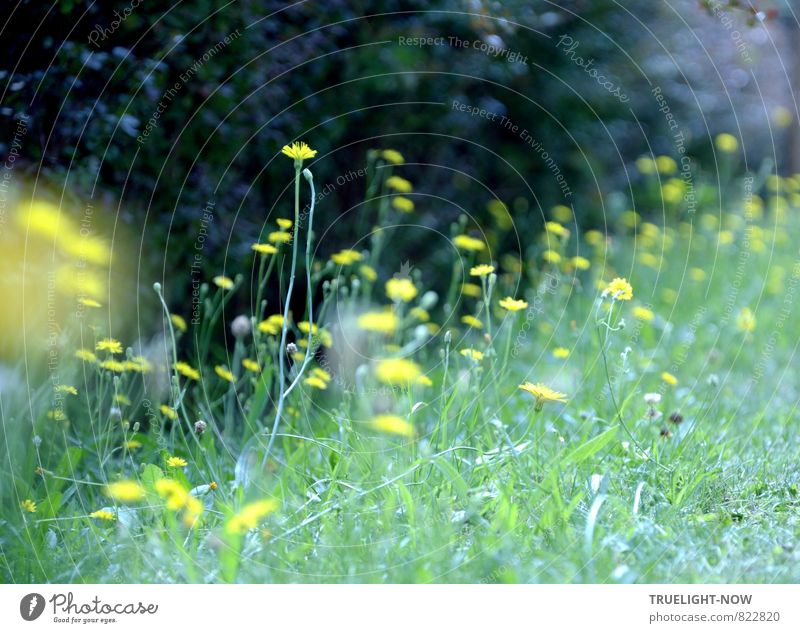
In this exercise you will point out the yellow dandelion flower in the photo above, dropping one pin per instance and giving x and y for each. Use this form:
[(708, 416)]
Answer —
[(669, 378), (482, 270), (397, 371), (121, 398), (176, 462), (468, 243), (89, 303), (224, 373), (554, 228), (284, 223), (646, 165), (471, 290), (551, 256), (250, 365), (746, 320), (424, 381), (185, 369), (399, 184), (140, 364), (384, 322), (666, 165), (85, 355), (264, 249), (392, 156), (580, 263), (472, 354), (103, 515), (727, 143), (472, 321), (594, 237), (57, 414), (346, 257), (132, 445), (403, 204), (401, 289), (179, 322), (316, 382), (168, 412), (543, 394), (562, 213), (226, 283), (67, 389), (368, 272), (280, 237), (114, 365), (420, 314), (271, 325), (619, 289), (394, 425), (125, 491), (560, 352), (28, 506), (643, 314), (513, 305), (299, 151), (110, 345), (250, 516), (320, 373)]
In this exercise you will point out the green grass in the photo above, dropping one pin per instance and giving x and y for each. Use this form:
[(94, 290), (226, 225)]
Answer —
[(488, 489)]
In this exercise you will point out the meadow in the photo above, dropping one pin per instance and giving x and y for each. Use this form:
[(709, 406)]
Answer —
[(608, 404)]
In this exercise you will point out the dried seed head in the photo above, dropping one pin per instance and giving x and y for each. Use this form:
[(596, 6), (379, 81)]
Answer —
[(200, 427), (240, 326), (675, 417), (291, 348)]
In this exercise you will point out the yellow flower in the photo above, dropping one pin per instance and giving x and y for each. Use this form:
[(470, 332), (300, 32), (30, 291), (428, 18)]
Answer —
[(556, 229), (472, 354), (646, 165), (132, 445), (399, 184), (420, 314), (250, 516), (513, 305), (168, 411), (424, 381), (280, 237), (28, 506), (726, 143), (543, 394), (482, 270), (299, 151), (697, 274), (89, 303), (471, 321), (401, 203), (383, 322), (471, 290), (226, 283), (467, 243), (401, 289), (562, 213), (392, 156), (250, 365), (224, 373), (666, 165), (320, 373), (284, 223), (67, 389), (178, 321), (619, 289), (397, 371), (669, 378), (580, 263), (368, 272), (346, 257), (185, 369), (110, 345), (122, 399), (113, 365), (551, 257), (394, 425), (271, 325), (643, 314), (125, 491), (746, 320), (138, 363), (316, 382), (176, 462), (560, 352), (103, 515), (264, 249), (85, 355), (594, 237), (177, 498)]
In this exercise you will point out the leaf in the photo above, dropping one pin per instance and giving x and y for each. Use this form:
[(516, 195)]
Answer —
[(589, 448)]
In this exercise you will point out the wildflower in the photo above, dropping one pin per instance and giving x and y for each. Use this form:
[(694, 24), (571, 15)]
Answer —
[(103, 515), (652, 398), (284, 223), (643, 314), (316, 382), (397, 371), (178, 321), (346, 257), (746, 320), (424, 381), (471, 290), (226, 283), (727, 143), (646, 165), (250, 365), (176, 462), (394, 425), (420, 314), (250, 516), (185, 369), (392, 156), (399, 184), (113, 365), (543, 394), (125, 491), (121, 398), (513, 305), (264, 249), (200, 427), (472, 354), (240, 326), (382, 322), (320, 373), (562, 213), (224, 373), (551, 256), (299, 151), (168, 412), (697, 274), (482, 270), (57, 414), (271, 325), (132, 445), (669, 378), (619, 289), (368, 272), (594, 237), (139, 364), (85, 355), (471, 321), (675, 417), (89, 303), (468, 243), (402, 289), (212, 485), (556, 229), (67, 389), (110, 345), (560, 352), (403, 204), (178, 498), (666, 165), (28, 506), (280, 237)]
